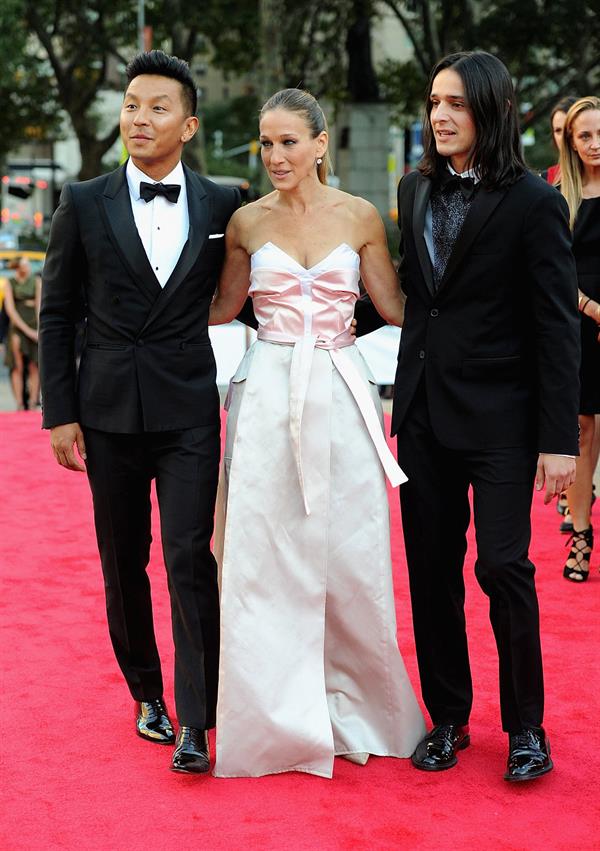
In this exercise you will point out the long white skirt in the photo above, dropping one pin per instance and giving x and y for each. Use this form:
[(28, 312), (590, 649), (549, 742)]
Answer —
[(310, 666)]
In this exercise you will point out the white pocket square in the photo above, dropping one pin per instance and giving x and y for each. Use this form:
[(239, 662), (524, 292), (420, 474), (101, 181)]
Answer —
[(216, 235)]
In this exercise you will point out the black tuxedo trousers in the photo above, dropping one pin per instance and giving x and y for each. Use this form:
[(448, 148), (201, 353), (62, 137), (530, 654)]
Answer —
[(184, 465), (435, 518)]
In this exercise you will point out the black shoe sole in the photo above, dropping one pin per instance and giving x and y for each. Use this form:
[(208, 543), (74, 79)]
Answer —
[(449, 764), (519, 778), (156, 741), (180, 770)]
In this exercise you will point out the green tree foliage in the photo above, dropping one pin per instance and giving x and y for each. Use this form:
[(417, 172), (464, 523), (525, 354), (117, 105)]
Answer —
[(187, 27), (552, 48), (326, 48), (79, 50), (60, 55), (85, 46), (313, 45), (237, 120), (82, 42), (29, 111)]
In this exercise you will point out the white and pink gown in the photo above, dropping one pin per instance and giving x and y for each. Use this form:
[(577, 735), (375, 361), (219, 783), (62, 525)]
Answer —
[(310, 667)]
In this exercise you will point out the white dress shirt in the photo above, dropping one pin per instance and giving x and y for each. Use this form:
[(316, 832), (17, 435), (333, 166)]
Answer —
[(163, 226)]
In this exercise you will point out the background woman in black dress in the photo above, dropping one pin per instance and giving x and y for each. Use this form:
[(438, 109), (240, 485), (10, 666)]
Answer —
[(580, 184)]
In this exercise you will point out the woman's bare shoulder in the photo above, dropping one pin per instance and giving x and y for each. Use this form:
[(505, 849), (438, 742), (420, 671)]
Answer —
[(359, 208), (365, 210), (244, 221), (250, 214)]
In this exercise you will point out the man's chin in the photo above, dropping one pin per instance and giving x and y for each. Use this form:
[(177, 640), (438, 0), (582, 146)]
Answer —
[(141, 156), (138, 151), (446, 150)]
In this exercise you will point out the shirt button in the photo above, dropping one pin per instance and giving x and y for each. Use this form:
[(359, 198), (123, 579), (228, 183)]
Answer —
[(139, 342), (435, 312), (422, 354)]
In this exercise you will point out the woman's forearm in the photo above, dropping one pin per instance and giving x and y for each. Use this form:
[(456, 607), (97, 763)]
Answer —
[(221, 311), (391, 306)]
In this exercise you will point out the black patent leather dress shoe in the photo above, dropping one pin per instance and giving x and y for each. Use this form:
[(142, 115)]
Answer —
[(528, 755), (437, 751), (152, 722), (191, 751)]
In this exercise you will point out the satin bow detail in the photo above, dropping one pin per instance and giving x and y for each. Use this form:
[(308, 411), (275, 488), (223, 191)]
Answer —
[(148, 191), (450, 182)]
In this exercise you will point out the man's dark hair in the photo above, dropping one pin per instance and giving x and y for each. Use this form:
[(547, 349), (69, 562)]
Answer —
[(497, 154), (163, 65)]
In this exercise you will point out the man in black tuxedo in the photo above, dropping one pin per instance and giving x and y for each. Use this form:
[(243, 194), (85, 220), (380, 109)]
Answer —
[(144, 244), (486, 396)]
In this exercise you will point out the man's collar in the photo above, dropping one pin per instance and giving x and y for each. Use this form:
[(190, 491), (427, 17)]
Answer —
[(470, 172), (135, 176)]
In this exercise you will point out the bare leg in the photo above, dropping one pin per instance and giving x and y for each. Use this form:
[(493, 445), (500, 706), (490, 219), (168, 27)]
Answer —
[(34, 385), (596, 443), (580, 494), (16, 375)]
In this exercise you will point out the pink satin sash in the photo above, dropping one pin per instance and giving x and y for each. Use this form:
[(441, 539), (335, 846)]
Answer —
[(299, 378)]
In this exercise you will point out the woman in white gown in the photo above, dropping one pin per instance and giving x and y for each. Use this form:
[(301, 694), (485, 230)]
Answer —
[(310, 667)]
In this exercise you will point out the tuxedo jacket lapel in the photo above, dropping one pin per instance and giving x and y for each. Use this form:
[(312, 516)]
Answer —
[(484, 204), (115, 206), (199, 215), (421, 200)]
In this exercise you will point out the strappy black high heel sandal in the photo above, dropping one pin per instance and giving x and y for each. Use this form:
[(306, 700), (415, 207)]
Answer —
[(582, 544)]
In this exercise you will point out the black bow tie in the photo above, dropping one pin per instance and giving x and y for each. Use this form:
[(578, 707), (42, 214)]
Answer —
[(450, 182), (171, 191)]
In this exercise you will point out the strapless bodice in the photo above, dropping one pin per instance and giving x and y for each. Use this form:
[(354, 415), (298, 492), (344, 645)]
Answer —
[(313, 309), (291, 301)]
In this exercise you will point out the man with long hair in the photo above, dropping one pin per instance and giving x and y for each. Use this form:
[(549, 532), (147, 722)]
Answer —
[(485, 396)]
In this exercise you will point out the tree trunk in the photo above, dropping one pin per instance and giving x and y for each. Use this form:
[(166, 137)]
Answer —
[(362, 80), (271, 63), (183, 40), (92, 150), (194, 153)]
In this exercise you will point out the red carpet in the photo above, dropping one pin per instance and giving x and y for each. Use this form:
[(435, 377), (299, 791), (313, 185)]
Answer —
[(76, 776)]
